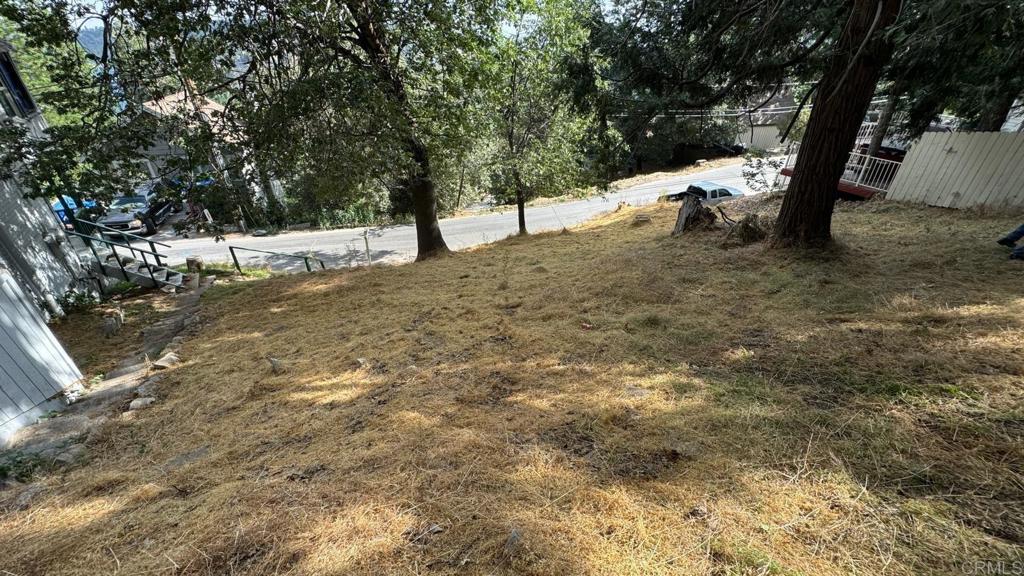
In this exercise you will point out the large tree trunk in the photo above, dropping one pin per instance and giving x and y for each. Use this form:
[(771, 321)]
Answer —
[(884, 119), (995, 113), (429, 242), (372, 39), (843, 96)]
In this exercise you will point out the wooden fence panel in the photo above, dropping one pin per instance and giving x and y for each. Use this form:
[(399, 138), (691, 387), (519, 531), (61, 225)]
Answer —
[(974, 153), (963, 169), (1013, 195), (985, 192), (939, 189)]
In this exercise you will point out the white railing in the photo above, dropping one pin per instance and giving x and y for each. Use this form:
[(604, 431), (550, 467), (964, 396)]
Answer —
[(791, 152), (869, 172), (866, 132), (860, 169)]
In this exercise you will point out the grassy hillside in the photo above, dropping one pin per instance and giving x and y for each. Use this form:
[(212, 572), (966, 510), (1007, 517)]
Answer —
[(605, 401)]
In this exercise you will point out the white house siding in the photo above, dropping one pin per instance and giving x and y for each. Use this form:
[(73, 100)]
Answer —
[(1015, 121), (37, 266), (34, 368), (765, 137), (34, 247), (963, 169)]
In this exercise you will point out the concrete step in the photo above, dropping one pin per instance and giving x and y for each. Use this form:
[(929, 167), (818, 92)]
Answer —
[(143, 275)]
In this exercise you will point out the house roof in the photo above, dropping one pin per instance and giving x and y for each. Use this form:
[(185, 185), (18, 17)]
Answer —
[(178, 102)]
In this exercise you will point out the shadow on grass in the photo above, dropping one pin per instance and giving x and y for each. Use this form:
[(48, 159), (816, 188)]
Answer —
[(606, 401)]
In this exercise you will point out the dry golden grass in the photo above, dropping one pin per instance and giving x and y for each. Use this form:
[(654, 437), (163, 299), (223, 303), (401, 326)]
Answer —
[(607, 401), (81, 332)]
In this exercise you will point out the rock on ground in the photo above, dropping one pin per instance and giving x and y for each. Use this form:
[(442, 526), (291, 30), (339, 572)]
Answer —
[(24, 499), (168, 360), (140, 403)]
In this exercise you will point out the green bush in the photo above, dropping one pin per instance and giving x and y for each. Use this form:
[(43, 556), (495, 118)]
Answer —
[(77, 301)]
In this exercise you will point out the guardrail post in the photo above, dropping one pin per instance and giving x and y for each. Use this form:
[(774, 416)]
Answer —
[(156, 256), (305, 259), (322, 266), (150, 270), (120, 264), (96, 256), (235, 258)]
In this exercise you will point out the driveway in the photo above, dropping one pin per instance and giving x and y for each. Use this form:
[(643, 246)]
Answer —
[(394, 244)]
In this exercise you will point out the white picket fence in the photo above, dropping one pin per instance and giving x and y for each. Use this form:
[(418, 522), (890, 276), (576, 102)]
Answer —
[(963, 169)]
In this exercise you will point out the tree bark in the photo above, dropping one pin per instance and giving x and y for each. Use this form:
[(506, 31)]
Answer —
[(692, 215), (604, 155), (462, 179), (520, 203), (521, 208), (884, 119), (843, 97), (429, 242)]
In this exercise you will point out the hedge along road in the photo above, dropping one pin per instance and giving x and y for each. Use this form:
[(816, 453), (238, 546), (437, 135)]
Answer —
[(395, 244)]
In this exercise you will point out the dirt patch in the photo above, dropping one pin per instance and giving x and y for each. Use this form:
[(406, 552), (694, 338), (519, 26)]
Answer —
[(96, 354)]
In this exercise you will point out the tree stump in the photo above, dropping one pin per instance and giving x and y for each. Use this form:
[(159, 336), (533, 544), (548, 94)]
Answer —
[(194, 264), (692, 216)]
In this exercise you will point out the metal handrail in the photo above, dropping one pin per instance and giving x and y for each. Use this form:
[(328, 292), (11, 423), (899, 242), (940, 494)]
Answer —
[(121, 233), (90, 239), (152, 243), (112, 243), (305, 259)]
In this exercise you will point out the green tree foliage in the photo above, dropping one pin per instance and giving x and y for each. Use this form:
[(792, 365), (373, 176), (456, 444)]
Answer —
[(82, 154), (676, 55), (966, 58), (539, 130), (354, 92)]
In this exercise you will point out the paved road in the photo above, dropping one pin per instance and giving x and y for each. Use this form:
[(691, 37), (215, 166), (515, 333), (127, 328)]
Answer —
[(393, 244)]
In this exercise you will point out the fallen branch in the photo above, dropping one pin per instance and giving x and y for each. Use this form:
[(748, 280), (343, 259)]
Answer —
[(747, 231), (725, 218)]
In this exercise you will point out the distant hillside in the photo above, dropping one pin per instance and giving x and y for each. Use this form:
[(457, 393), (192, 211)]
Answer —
[(92, 40)]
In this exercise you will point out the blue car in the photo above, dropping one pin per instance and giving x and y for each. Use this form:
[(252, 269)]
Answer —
[(66, 218)]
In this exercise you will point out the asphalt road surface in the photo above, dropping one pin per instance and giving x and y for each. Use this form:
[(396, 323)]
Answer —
[(395, 244)]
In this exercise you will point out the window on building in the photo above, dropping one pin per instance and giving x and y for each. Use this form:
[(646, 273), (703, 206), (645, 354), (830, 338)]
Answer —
[(7, 102), (16, 99)]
